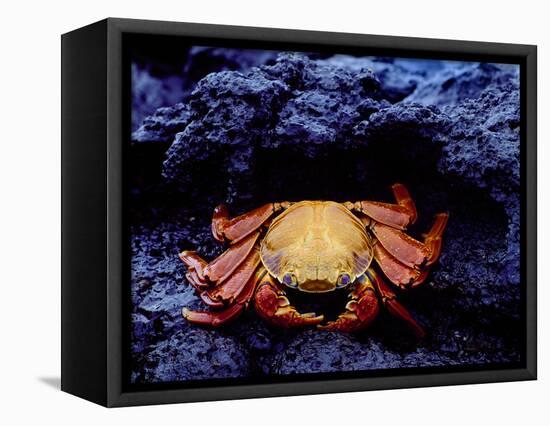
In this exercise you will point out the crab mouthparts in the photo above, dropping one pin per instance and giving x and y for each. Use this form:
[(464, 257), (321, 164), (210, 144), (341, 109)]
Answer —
[(316, 286)]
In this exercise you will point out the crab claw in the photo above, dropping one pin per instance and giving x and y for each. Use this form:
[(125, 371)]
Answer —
[(273, 306), (360, 310)]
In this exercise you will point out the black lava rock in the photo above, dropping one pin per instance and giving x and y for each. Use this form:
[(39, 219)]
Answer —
[(457, 82), (163, 124), (398, 78), (155, 86), (196, 354)]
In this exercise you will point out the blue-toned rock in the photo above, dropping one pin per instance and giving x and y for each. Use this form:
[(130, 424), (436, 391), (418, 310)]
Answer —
[(150, 92), (457, 82), (195, 354)]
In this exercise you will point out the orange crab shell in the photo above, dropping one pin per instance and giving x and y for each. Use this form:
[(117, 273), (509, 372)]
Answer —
[(317, 242)]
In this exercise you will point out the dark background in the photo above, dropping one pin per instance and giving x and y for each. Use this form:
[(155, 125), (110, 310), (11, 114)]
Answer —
[(212, 125)]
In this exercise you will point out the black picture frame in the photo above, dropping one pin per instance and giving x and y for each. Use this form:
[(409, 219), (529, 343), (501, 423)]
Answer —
[(93, 229)]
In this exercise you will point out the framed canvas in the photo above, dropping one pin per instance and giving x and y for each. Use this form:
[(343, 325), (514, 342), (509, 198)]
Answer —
[(252, 212)]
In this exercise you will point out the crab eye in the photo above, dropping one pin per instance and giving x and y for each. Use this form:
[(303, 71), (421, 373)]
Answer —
[(290, 280), (343, 280)]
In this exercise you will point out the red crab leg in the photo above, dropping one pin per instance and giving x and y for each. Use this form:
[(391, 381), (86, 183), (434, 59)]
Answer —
[(392, 305), (205, 297), (195, 267), (397, 273), (202, 275), (433, 239), (241, 226), (273, 306), (360, 311), (406, 249), (224, 265), (216, 319), (228, 290), (399, 215)]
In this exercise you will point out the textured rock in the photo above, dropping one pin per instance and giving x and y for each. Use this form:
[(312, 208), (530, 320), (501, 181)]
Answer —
[(296, 103), (163, 125), (457, 82), (483, 149), (150, 92), (196, 354), (336, 128), (206, 60), (398, 79), (153, 88)]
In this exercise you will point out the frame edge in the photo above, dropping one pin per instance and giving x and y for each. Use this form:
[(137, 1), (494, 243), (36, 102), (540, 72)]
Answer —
[(116, 397), (83, 233)]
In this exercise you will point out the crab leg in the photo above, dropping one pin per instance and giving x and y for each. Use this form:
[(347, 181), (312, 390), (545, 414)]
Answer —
[(195, 267), (397, 273), (241, 226), (240, 262), (273, 306), (202, 275), (406, 249), (399, 215), (216, 319), (392, 305), (433, 239), (224, 265), (227, 291), (360, 310)]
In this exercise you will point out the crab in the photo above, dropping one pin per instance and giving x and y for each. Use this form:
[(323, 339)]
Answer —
[(314, 247)]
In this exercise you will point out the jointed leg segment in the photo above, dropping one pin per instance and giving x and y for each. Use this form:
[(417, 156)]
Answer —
[(227, 291), (221, 317), (399, 215), (203, 275), (223, 266), (389, 300), (195, 269), (406, 249), (432, 240), (241, 226), (399, 274)]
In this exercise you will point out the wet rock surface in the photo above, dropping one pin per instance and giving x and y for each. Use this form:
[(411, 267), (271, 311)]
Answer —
[(338, 128)]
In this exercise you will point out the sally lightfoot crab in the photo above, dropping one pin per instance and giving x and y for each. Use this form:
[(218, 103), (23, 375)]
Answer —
[(315, 247)]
